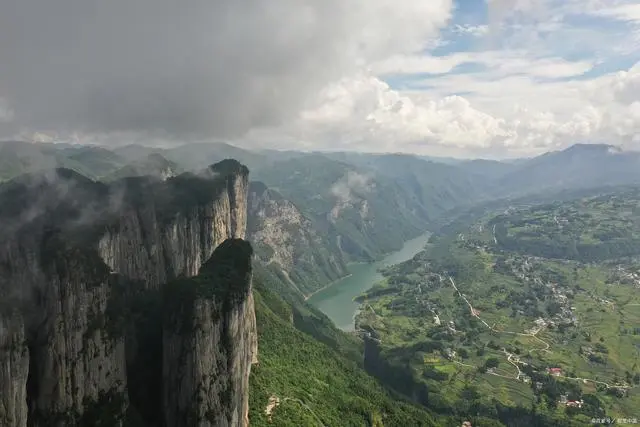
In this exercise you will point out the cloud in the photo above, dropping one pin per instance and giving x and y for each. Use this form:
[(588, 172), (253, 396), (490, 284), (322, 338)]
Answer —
[(502, 119), (347, 189), (420, 63), (544, 81), (624, 12), (206, 68), (499, 63), (473, 30), (352, 182), (304, 74)]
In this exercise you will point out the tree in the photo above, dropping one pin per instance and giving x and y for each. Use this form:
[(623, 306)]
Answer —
[(469, 393), (492, 362)]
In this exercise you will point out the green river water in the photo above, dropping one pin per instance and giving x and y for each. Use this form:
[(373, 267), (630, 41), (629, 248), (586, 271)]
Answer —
[(336, 301)]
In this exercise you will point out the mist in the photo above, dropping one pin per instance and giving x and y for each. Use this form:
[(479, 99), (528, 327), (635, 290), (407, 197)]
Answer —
[(352, 182)]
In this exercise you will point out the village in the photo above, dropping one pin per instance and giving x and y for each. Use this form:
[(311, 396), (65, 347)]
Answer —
[(524, 268)]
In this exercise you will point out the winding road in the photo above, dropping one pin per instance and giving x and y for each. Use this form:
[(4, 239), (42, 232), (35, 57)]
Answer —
[(511, 358), (475, 314)]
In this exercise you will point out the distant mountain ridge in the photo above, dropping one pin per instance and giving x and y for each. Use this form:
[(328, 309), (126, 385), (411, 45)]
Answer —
[(362, 204), (577, 167)]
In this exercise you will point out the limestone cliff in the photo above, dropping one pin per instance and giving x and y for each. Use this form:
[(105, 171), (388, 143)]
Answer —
[(209, 342), (175, 234), (283, 236), (14, 368), (76, 257)]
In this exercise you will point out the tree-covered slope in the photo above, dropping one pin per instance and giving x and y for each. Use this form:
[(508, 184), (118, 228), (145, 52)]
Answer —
[(438, 187), (366, 214), (17, 158), (284, 237), (588, 229), (153, 164), (577, 167), (302, 382)]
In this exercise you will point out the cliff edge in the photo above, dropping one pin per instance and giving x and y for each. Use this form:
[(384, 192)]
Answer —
[(82, 273), (210, 341)]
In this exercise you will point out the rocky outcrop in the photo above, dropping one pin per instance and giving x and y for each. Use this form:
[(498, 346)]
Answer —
[(154, 245), (61, 353), (77, 257), (283, 236), (77, 350), (209, 342)]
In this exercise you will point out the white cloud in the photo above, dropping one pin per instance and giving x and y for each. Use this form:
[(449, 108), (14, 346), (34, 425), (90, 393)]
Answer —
[(364, 113), (499, 63), (311, 76), (624, 12), (473, 30), (526, 97), (419, 63)]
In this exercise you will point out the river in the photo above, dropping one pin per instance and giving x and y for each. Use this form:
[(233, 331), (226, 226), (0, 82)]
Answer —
[(336, 301)]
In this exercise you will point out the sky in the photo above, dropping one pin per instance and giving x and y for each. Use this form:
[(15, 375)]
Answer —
[(462, 78)]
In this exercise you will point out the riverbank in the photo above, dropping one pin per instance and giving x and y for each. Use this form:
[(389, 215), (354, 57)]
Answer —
[(327, 286), (333, 282), (336, 300)]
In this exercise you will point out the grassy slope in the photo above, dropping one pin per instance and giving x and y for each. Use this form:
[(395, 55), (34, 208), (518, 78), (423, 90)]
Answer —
[(334, 388)]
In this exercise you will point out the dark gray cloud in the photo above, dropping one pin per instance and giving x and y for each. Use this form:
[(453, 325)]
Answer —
[(208, 68)]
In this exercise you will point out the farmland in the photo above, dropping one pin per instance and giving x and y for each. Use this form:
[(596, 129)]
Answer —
[(484, 323)]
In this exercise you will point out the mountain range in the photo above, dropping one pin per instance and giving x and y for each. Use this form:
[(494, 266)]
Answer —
[(105, 252)]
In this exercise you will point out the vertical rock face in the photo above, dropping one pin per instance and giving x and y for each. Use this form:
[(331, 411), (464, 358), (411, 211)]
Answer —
[(209, 342), (148, 246), (14, 368), (71, 251), (77, 349), (69, 355), (284, 236)]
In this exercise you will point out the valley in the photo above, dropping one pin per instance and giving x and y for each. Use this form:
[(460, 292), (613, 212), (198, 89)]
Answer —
[(337, 300), (516, 310), (497, 325)]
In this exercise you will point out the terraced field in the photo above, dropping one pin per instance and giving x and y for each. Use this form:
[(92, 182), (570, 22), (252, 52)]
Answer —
[(474, 317)]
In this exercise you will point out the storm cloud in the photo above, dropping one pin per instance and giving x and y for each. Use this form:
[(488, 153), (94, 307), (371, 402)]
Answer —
[(195, 67)]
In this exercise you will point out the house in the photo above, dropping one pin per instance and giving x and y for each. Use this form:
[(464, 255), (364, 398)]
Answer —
[(540, 322), (575, 403), (556, 372)]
